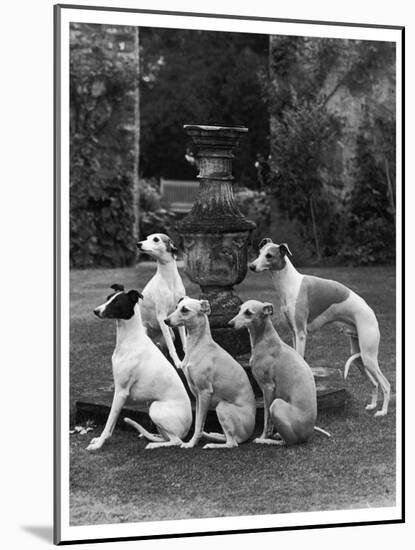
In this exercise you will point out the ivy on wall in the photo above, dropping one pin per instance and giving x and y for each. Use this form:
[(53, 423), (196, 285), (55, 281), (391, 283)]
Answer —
[(103, 144)]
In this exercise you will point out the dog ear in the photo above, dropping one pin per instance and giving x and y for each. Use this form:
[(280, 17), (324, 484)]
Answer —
[(134, 295), (204, 307), (267, 309), (171, 247), (284, 249), (264, 242), (117, 287)]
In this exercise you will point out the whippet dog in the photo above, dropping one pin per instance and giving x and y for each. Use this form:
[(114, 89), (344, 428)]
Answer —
[(308, 303), (286, 380), (143, 374), (162, 292), (215, 379)]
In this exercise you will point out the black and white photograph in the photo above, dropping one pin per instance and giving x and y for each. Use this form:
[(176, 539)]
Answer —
[(228, 248)]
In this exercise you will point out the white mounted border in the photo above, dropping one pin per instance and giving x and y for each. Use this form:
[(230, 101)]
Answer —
[(64, 15)]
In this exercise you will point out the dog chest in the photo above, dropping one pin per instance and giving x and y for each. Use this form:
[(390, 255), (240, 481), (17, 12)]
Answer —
[(263, 366)]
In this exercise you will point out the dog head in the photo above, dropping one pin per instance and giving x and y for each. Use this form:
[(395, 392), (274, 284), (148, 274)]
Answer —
[(119, 304), (271, 256), (186, 311), (159, 246), (251, 312)]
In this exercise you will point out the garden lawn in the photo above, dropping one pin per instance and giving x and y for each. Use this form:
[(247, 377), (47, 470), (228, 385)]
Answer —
[(125, 483)]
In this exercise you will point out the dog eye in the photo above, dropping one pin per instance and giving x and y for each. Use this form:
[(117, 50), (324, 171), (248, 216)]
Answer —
[(156, 239), (184, 309), (268, 256), (248, 313)]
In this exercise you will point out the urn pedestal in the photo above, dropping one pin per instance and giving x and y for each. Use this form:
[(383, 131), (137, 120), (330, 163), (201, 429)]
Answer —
[(215, 234)]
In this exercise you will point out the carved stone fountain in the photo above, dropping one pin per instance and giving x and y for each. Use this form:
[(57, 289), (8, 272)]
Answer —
[(216, 234)]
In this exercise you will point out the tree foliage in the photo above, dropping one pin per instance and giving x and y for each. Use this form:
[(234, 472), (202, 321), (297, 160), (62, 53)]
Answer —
[(101, 201), (305, 75), (200, 77)]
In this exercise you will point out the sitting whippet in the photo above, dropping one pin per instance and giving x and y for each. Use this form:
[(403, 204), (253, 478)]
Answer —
[(162, 292), (286, 380), (143, 374), (215, 379), (309, 303)]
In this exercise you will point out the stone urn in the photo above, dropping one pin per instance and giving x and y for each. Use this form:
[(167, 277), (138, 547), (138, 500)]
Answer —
[(215, 234)]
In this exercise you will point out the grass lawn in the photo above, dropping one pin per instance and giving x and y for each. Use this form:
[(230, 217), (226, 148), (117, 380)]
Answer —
[(124, 483)]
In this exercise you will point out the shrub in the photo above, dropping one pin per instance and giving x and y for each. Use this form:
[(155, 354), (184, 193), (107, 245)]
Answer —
[(154, 218), (370, 220), (255, 205)]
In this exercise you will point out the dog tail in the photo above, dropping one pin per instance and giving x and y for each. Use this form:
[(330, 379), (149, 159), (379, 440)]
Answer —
[(213, 436), (317, 429), (349, 362), (143, 432)]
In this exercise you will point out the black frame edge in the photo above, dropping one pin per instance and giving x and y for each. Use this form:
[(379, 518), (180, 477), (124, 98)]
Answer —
[(56, 273)]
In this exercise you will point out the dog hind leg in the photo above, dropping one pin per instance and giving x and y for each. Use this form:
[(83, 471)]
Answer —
[(142, 431), (369, 346), (290, 422), (374, 374), (356, 355), (165, 417), (214, 436), (229, 418)]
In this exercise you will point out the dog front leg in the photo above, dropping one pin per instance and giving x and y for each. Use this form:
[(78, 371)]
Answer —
[(182, 334), (169, 341), (120, 397), (202, 406), (300, 342), (268, 394)]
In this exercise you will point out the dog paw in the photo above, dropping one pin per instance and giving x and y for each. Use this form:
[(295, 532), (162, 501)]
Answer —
[(188, 445), (151, 446), (379, 414), (370, 407), (94, 444)]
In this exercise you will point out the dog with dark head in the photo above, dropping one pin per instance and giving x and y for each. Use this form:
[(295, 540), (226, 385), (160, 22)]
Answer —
[(142, 374)]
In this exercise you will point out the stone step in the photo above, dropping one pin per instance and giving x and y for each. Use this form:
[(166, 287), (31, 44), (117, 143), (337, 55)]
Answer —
[(331, 394)]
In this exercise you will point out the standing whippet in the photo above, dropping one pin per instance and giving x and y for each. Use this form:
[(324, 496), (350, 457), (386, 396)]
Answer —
[(286, 380), (162, 292), (142, 373), (215, 378), (309, 303)]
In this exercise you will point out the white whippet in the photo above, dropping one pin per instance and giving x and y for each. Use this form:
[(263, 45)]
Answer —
[(215, 379), (143, 374), (308, 303), (162, 292), (286, 380)]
